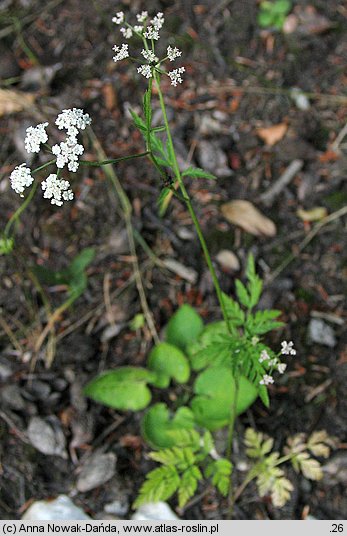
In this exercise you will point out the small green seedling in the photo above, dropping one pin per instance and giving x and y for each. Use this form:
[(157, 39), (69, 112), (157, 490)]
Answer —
[(273, 14)]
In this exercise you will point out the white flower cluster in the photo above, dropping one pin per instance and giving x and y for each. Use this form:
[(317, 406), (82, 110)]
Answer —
[(20, 179), (122, 52), (67, 152), (175, 76), (149, 29), (73, 121), (287, 348), (34, 137), (173, 53), (57, 190)]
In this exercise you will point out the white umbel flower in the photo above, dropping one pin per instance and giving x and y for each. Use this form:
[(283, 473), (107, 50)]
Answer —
[(266, 380), (288, 348), (264, 356), (138, 28), (145, 70), (141, 17), (173, 53), (281, 367), (152, 33), (34, 137), (119, 18), (121, 52), (21, 178), (175, 76), (68, 152), (149, 56), (73, 121), (158, 21), (127, 32), (57, 190)]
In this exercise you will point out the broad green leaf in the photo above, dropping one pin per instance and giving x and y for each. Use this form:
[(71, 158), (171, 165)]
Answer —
[(215, 390), (157, 425), (124, 388), (281, 7), (184, 327), (168, 362), (198, 173)]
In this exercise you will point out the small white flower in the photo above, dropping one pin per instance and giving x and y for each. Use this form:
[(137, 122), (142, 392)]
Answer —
[(255, 340), (264, 356), (152, 33), (72, 121), (158, 21), (287, 348), (145, 70), (273, 362), (34, 137), (281, 367), (119, 18), (121, 52), (57, 190), (68, 152), (266, 380), (127, 32), (141, 17), (20, 179), (175, 76), (173, 53), (138, 29), (149, 56)]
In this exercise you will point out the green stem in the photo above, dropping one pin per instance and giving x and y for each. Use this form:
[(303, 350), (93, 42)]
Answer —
[(112, 160), (189, 204), (15, 217), (232, 420)]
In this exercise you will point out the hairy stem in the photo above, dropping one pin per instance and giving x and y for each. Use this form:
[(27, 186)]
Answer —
[(188, 202)]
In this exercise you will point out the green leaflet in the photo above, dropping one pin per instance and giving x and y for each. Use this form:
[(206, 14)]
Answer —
[(158, 425), (220, 471), (184, 327), (168, 362), (124, 388), (198, 173)]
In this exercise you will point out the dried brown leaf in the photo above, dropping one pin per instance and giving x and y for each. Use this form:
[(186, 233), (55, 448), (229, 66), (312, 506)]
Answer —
[(14, 101), (272, 135)]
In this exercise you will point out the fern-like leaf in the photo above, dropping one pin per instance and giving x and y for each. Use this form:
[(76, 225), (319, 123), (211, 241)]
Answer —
[(160, 485), (188, 485), (220, 472)]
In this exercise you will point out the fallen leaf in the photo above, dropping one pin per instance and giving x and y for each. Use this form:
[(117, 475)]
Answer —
[(14, 101), (314, 214), (272, 135), (248, 217)]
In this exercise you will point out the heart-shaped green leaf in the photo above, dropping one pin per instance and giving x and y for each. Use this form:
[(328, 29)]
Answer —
[(169, 363), (157, 425), (184, 327), (215, 390), (124, 388)]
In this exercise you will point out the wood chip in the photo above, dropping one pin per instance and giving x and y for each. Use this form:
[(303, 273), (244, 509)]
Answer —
[(248, 217), (272, 135)]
